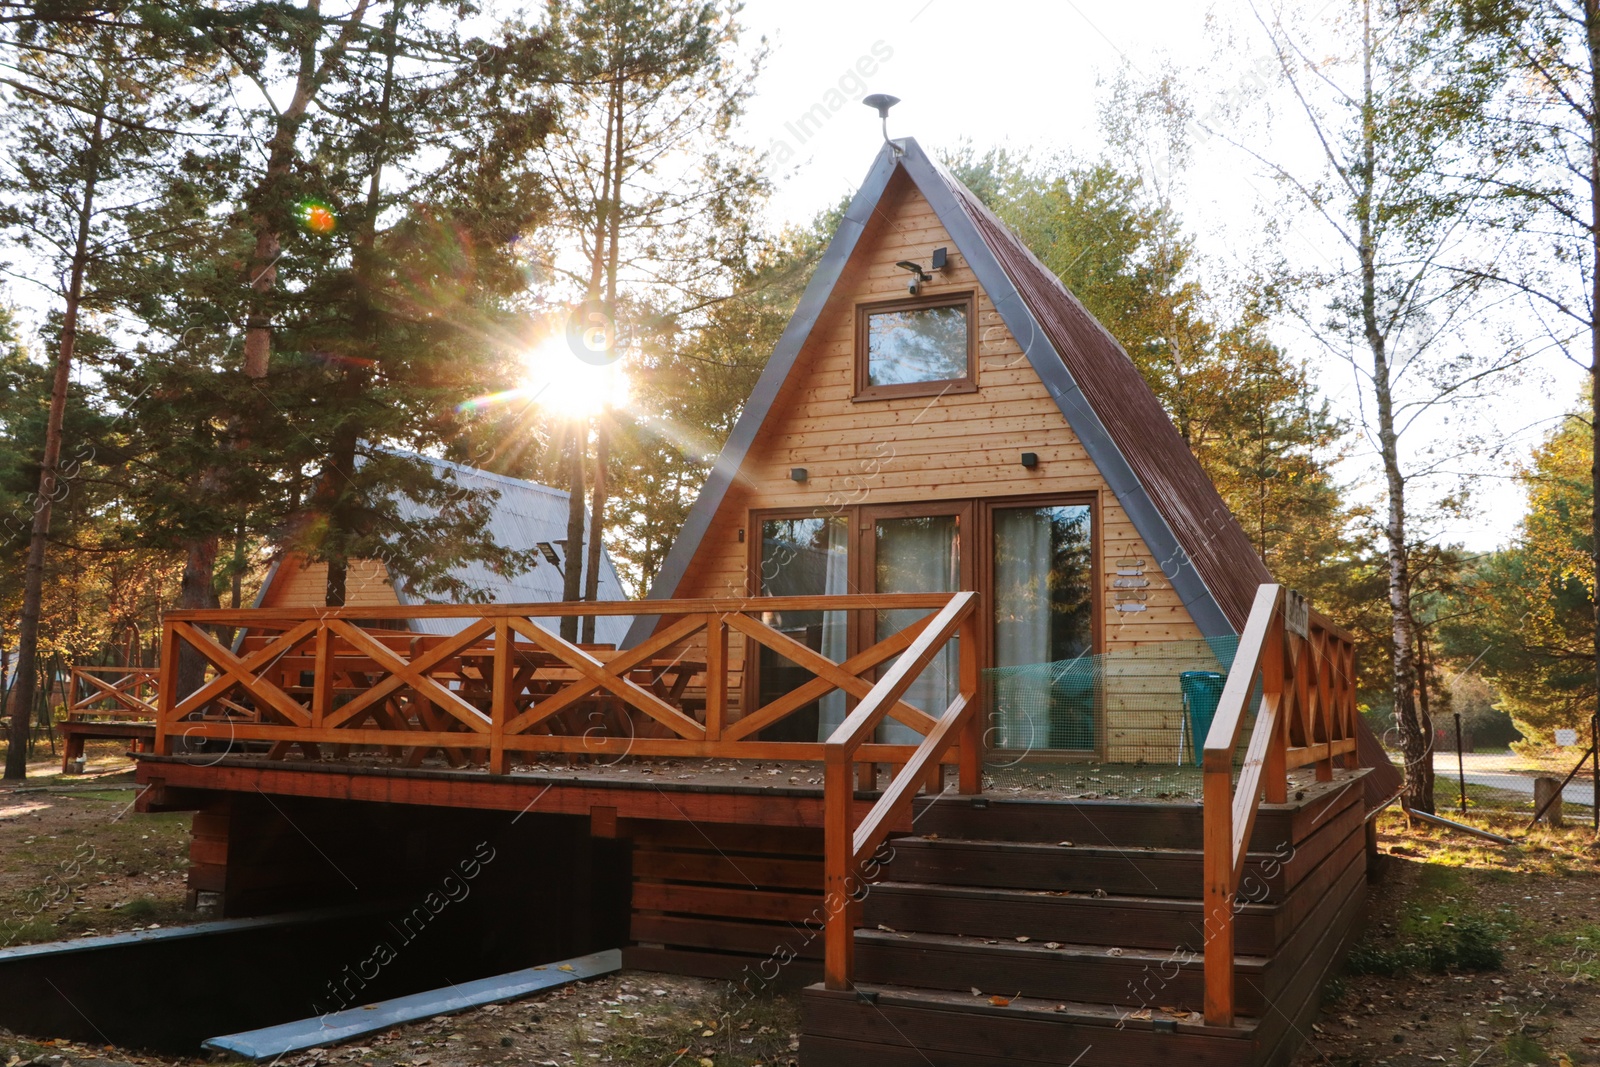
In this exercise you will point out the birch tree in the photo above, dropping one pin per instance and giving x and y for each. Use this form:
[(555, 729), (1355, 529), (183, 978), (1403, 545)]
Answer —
[(1396, 214)]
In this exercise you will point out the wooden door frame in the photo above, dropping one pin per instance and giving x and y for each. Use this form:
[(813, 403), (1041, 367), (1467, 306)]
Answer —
[(1092, 497), (975, 528)]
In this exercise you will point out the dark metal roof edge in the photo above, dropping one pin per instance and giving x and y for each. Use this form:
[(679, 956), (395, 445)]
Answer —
[(784, 356), (1102, 449)]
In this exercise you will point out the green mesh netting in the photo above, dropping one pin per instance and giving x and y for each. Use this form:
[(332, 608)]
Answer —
[(1150, 703)]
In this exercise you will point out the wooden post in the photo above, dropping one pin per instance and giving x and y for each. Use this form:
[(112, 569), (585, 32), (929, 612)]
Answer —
[(1547, 796), (1218, 898), (838, 848), (322, 678), (1347, 697), (166, 699), (716, 676), (1274, 773), (969, 771), (867, 777), (500, 704)]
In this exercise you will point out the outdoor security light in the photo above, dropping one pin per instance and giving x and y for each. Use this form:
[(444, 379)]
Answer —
[(918, 275)]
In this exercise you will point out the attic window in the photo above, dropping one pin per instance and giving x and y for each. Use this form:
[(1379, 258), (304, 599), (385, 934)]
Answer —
[(917, 347)]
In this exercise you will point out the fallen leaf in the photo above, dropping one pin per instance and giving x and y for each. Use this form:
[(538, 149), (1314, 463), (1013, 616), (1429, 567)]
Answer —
[(1000, 1002), (886, 929), (1052, 944), (977, 992), (1113, 952), (1064, 844), (566, 967), (1024, 940)]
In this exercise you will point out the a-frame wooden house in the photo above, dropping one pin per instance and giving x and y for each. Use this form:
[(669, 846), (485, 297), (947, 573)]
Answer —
[(952, 502), (943, 414)]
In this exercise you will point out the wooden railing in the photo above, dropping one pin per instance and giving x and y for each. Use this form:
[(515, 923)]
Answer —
[(506, 684), (848, 850), (119, 693), (1305, 667)]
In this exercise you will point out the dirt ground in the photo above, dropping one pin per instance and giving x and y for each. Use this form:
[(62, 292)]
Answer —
[(78, 861), (1538, 903)]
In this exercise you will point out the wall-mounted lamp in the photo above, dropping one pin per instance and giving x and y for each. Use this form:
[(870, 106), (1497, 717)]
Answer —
[(798, 474), (1030, 460)]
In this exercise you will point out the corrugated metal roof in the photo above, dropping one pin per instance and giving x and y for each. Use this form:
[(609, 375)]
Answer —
[(1210, 537), (525, 514)]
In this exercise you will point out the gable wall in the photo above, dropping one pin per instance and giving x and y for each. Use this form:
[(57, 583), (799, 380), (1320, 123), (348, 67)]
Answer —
[(953, 447), (300, 585)]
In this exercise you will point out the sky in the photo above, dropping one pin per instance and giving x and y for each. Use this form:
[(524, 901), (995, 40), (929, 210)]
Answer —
[(1026, 75)]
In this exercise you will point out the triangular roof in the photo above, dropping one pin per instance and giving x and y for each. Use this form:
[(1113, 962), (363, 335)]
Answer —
[(1170, 500), (522, 516)]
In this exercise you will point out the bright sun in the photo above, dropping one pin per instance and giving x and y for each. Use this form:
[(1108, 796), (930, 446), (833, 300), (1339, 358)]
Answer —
[(564, 385)]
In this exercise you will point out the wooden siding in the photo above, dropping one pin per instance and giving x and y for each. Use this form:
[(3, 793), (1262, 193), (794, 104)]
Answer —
[(298, 584), (921, 449)]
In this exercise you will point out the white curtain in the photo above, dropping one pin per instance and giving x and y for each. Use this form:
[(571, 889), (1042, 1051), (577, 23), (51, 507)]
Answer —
[(836, 582), (1022, 559), (919, 555)]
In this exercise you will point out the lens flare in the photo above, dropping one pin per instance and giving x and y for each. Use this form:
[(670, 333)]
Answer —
[(317, 217)]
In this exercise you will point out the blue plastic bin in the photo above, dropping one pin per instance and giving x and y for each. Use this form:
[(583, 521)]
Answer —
[(1202, 692)]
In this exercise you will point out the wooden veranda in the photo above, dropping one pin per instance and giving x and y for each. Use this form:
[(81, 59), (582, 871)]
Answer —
[(319, 691)]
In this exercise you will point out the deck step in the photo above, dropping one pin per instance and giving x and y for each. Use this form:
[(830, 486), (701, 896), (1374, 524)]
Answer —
[(1099, 974), (1034, 865), (1140, 871), (1127, 921), (1111, 823), (891, 1026)]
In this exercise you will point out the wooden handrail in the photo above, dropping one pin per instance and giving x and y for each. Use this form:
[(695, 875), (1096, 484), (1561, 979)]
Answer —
[(258, 617), (848, 849), (1304, 667)]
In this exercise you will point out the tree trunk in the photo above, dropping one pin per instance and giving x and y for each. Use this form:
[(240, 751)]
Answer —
[(572, 577), (338, 472), (1416, 738), (597, 525), (269, 214), (1591, 25), (33, 574)]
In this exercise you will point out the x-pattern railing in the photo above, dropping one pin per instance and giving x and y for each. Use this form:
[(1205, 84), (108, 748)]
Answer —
[(506, 683), (111, 693)]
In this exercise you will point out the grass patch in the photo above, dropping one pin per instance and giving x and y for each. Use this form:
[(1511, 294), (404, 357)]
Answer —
[(1435, 934)]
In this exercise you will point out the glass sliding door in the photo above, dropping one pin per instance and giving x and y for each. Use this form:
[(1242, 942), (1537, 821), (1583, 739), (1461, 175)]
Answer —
[(807, 556), (918, 553), (1045, 678)]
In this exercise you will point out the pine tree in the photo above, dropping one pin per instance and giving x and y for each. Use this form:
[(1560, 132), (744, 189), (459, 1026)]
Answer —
[(92, 120)]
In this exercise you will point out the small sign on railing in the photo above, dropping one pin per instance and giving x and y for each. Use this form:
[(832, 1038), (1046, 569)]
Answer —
[(1296, 613)]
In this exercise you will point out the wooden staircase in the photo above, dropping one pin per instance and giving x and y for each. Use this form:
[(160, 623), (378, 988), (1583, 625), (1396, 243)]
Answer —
[(1037, 932)]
